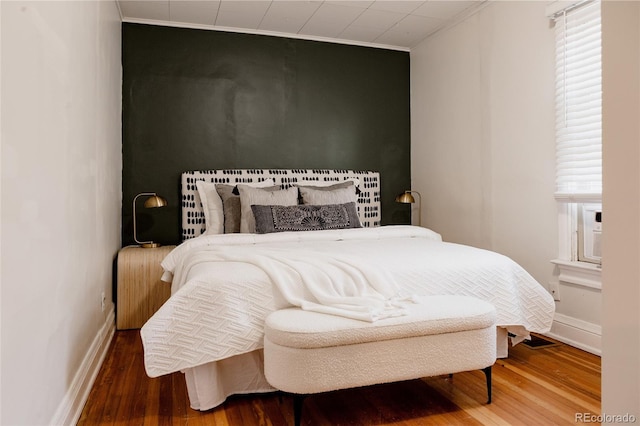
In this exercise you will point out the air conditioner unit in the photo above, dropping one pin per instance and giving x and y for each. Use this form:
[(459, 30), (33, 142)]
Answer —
[(590, 233)]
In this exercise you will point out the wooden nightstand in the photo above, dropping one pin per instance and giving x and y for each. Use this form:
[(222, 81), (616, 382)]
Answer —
[(140, 292)]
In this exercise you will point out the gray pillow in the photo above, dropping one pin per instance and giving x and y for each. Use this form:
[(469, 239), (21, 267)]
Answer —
[(345, 184), (305, 217), (231, 205), (318, 196), (250, 196)]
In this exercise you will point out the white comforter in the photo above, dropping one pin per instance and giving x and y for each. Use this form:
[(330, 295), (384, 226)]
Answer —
[(222, 286)]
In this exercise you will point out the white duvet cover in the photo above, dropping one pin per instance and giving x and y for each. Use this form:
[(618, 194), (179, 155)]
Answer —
[(223, 286)]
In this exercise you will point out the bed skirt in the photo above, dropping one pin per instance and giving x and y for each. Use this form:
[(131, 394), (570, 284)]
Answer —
[(210, 384)]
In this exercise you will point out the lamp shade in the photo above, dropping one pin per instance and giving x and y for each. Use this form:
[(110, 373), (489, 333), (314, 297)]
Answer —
[(153, 201), (405, 197)]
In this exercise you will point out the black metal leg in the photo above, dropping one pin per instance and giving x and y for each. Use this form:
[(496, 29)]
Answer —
[(298, 399), (487, 373)]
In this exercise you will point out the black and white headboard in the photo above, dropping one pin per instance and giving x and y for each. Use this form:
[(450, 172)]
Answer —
[(193, 222)]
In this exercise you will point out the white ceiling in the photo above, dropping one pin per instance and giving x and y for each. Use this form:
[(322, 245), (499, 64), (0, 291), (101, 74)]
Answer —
[(390, 23)]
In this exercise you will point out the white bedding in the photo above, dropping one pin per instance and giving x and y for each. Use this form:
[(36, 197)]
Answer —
[(217, 308)]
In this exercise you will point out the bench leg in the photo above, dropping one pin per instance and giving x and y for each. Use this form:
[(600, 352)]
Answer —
[(487, 373), (298, 399)]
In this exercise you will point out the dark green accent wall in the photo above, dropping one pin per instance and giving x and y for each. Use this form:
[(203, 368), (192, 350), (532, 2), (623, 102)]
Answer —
[(198, 99)]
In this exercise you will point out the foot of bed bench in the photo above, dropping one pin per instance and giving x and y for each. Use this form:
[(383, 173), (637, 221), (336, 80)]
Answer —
[(309, 352)]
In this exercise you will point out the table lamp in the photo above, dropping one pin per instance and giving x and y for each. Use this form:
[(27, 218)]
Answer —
[(153, 201), (407, 198)]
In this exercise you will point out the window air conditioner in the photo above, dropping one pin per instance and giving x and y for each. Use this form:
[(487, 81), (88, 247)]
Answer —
[(590, 233)]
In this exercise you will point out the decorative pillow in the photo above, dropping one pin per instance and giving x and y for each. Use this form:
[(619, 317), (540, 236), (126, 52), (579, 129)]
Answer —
[(212, 204), (305, 217), (330, 184), (318, 196), (322, 186), (212, 207), (250, 196), (231, 205)]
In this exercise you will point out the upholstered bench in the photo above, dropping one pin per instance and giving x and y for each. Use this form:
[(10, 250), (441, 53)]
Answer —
[(308, 352)]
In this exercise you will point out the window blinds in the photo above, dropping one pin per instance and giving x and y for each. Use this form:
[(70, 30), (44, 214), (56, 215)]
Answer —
[(578, 103)]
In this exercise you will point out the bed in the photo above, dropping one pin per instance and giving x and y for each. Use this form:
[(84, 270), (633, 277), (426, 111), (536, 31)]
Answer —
[(324, 251)]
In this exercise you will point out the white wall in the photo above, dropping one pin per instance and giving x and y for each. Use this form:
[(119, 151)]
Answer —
[(61, 199), (483, 145), (621, 207), (483, 88), (483, 152)]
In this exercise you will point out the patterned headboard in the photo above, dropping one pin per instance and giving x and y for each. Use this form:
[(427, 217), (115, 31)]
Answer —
[(193, 223)]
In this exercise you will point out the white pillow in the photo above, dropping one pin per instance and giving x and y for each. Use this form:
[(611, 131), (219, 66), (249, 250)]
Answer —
[(323, 197), (257, 196), (212, 204)]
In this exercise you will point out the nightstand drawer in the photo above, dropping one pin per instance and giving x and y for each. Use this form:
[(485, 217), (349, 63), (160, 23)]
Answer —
[(140, 291)]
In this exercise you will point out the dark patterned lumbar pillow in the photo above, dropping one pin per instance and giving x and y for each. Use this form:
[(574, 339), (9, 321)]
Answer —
[(305, 217)]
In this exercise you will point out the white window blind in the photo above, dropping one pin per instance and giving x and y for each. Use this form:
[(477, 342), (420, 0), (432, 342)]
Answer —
[(578, 103)]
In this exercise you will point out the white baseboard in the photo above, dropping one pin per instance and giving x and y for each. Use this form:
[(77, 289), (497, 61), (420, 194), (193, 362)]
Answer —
[(70, 408), (575, 332)]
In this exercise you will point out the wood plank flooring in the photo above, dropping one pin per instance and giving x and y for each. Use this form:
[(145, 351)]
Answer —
[(532, 387)]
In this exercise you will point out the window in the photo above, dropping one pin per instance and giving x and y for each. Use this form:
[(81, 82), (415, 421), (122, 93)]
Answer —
[(579, 130), (579, 103)]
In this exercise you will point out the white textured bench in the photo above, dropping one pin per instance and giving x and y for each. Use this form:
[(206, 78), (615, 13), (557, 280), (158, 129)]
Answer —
[(308, 352)]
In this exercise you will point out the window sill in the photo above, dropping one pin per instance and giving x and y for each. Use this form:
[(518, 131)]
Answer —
[(580, 273)]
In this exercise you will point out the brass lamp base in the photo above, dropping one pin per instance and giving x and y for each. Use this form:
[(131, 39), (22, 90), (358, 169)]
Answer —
[(150, 245)]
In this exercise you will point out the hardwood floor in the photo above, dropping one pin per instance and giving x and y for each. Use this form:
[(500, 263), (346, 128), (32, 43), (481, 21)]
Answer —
[(546, 385)]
